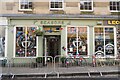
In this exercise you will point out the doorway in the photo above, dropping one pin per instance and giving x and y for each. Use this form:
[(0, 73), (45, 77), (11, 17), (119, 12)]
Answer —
[(53, 45)]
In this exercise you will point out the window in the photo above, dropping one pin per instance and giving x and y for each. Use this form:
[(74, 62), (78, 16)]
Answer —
[(104, 41), (115, 5), (25, 5), (2, 42), (86, 5), (56, 4), (25, 42), (77, 41)]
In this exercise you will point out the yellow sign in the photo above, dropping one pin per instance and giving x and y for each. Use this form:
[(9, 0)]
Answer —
[(114, 22)]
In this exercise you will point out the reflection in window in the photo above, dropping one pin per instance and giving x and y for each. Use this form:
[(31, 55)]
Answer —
[(82, 40), (56, 4), (115, 5), (104, 41), (86, 5), (77, 40), (25, 42), (25, 4), (2, 42)]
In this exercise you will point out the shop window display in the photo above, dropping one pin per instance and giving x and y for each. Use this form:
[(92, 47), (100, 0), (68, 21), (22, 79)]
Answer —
[(25, 42), (104, 41), (77, 40)]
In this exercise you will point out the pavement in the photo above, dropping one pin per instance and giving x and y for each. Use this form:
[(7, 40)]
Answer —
[(59, 70), (109, 78)]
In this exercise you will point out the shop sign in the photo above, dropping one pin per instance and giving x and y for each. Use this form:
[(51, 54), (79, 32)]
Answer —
[(41, 22), (113, 22)]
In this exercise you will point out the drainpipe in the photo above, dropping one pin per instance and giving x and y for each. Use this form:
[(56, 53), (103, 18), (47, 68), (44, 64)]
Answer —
[(45, 51)]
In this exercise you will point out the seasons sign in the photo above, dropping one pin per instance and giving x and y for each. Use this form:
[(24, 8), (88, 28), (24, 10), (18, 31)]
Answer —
[(113, 22), (44, 22)]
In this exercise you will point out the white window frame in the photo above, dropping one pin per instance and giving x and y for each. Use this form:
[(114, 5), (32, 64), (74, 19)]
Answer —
[(115, 5), (56, 1), (29, 9), (14, 53), (88, 49), (115, 40), (87, 1)]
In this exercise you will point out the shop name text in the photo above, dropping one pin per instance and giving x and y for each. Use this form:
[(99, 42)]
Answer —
[(113, 22), (49, 22)]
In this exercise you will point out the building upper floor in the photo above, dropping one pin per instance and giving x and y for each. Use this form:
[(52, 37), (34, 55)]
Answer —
[(96, 7)]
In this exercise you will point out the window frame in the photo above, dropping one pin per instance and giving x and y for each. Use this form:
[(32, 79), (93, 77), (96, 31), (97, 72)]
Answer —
[(115, 5), (56, 8), (84, 9), (115, 44), (88, 48), (29, 9), (14, 53)]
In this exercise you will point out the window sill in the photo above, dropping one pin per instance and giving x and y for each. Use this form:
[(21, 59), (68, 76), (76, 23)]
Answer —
[(114, 11), (25, 10), (56, 9), (86, 10)]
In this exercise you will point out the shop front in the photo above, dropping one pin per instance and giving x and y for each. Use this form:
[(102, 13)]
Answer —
[(28, 43), (61, 37), (104, 41)]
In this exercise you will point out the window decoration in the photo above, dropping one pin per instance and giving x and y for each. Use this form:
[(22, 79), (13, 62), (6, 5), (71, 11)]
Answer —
[(2, 42), (56, 4), (52, 29), (86, 5), (104, 41), (25, 5), (39, 32), (115, 5), (25, 42), (77, 40)]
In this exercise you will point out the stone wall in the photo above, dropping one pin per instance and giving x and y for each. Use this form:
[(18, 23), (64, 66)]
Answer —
[(70, 7)]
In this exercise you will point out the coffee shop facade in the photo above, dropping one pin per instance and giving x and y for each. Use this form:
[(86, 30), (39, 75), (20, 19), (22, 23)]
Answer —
[(65, 36)]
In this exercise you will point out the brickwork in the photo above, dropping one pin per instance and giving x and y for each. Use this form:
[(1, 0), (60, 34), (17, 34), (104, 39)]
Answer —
[(101, 4), (101, 10), (71, 4), (43, 8)]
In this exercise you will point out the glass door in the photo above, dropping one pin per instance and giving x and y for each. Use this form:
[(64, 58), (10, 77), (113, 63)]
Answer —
[(53, 45)]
